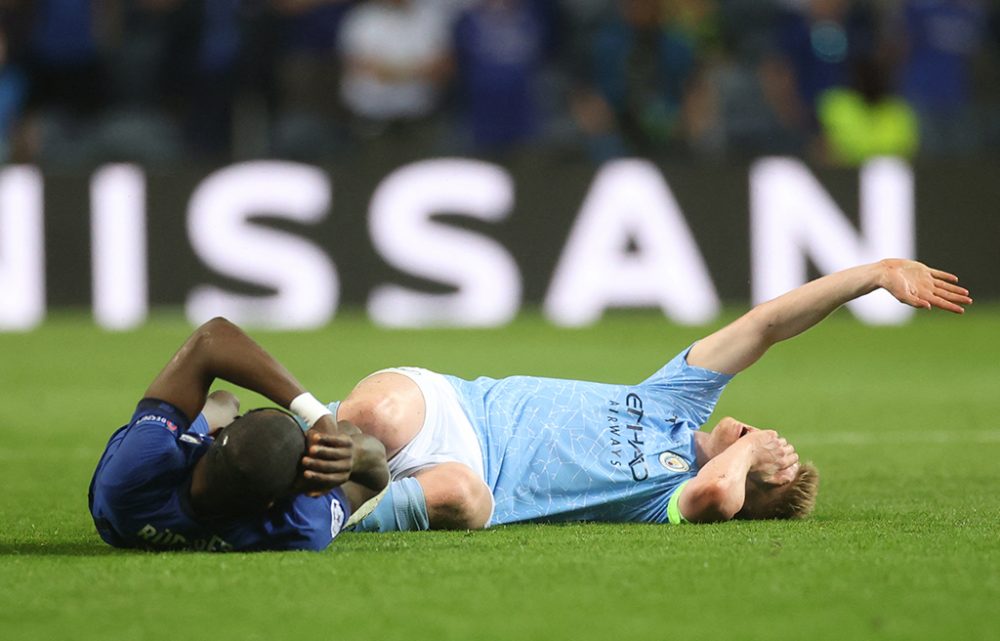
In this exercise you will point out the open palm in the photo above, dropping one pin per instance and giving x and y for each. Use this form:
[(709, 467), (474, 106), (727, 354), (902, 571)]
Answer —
[(918, 285)]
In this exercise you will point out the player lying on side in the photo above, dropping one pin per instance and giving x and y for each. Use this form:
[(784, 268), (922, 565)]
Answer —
[(187, 472), (469, 454)]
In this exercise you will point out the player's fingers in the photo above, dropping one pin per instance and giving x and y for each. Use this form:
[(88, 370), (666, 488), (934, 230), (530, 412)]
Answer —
[(318, 484), (937, 273), (324, 466), (954, 297), (318, 480), (949, 287), (915, 301), (330, 440), (330, 453), (947, 305)]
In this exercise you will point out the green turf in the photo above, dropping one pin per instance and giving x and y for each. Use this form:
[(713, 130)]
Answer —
[(904, 544)]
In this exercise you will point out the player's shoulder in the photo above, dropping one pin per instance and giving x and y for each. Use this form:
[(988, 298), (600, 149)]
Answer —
[(145, 454)]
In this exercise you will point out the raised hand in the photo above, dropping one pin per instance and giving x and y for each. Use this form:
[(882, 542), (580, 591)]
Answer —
[(920, 286)]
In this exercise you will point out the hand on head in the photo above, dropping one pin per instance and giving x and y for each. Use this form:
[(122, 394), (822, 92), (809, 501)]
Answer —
[(329, 458), (775, 461)]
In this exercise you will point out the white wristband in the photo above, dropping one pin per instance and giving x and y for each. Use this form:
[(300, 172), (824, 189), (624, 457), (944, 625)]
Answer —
[(309, 409)]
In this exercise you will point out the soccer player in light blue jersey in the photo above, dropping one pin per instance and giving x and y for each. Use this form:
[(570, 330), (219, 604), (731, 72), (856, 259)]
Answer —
[(470, 454)]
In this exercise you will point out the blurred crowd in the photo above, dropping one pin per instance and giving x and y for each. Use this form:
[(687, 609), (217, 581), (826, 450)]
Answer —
[(163, 81)]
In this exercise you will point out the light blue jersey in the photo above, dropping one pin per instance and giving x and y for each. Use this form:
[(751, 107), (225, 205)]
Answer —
[(562, 450)]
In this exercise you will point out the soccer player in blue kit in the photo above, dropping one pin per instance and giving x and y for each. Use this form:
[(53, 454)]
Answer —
[(470, 454), (187, 473)]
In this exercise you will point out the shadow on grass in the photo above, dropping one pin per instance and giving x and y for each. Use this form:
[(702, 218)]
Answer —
[(35, 548)]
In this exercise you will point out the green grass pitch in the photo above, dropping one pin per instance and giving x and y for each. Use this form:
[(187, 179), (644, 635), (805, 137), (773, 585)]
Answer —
[(905, 543)]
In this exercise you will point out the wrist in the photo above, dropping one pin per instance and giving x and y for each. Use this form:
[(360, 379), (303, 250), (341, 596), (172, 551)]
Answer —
[(751, 451), (310, 410), (880, 274)]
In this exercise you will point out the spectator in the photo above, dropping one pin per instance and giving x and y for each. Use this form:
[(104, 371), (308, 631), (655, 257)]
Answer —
[(816, 42), (500, 46), (640, 70), (308, 123), (141, 123), (67, 82), (940, 39), (865, 121), (741, 102), (13, 88), (397, 62)]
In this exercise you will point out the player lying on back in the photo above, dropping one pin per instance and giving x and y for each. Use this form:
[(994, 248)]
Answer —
[(469, 454), (187, 473)]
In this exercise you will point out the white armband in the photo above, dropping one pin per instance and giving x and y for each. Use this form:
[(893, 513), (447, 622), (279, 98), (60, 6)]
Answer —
[(309, 409)]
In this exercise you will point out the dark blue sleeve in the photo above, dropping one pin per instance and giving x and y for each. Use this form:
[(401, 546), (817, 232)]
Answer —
[(308, 523), (151, 410), (146, 450)]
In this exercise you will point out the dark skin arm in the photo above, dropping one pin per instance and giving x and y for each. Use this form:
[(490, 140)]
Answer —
[(370, 472), (220, 349)]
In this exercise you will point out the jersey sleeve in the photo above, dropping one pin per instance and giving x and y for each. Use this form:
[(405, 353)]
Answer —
[(147, 447), (308, 523), (694, 391), (200, 426)]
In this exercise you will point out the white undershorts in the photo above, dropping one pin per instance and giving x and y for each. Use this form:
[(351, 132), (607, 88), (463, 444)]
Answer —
[(447, 435)]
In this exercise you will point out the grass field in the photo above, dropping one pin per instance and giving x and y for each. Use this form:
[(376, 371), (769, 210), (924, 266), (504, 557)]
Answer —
[(905, 543)]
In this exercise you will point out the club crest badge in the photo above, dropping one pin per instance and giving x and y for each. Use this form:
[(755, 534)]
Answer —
[(674, 462)]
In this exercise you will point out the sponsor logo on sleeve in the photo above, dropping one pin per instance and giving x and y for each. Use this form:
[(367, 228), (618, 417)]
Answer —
[(154, 418)]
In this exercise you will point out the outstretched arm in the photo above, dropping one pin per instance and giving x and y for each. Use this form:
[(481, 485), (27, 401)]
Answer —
[(741, 343)]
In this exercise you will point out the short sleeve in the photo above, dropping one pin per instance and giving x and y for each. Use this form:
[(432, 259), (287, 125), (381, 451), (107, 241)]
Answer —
[(200, 426), (693, 391), (147, 450), (156, 412)]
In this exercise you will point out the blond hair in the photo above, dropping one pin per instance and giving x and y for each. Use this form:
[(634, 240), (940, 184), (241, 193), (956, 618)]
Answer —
[(794, 500), (798, 500)]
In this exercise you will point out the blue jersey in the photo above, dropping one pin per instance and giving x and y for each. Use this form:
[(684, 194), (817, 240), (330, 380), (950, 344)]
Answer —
[(139, 494), (561, 450)]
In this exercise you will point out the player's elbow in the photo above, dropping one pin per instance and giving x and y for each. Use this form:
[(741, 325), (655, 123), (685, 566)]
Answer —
[(214, 327), (210, 338)]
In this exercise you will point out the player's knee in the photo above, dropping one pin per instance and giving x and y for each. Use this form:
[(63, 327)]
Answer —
[(457, 499)]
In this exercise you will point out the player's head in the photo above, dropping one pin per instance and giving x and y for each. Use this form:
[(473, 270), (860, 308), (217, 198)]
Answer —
[(793, 500), (253, 462)]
